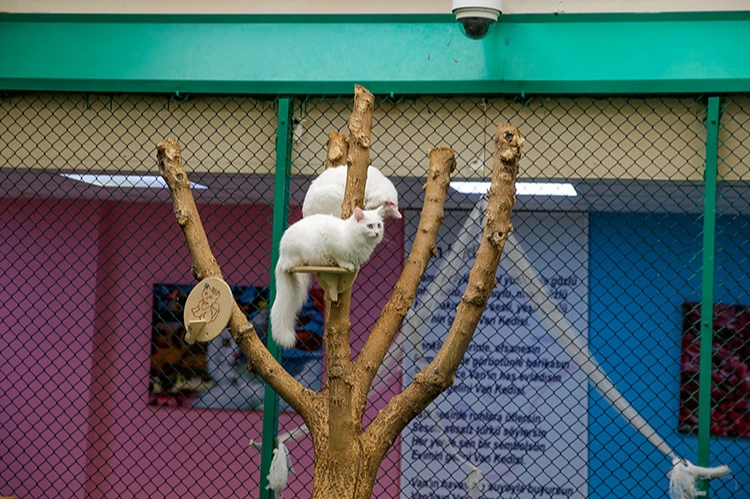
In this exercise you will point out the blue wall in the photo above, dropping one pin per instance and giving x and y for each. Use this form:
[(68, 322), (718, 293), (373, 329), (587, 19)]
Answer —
[(642, 268)]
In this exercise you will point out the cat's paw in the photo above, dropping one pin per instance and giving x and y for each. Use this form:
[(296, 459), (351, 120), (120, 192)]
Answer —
[(348, 266)]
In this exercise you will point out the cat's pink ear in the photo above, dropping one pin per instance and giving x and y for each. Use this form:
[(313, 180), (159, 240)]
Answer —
[(358, 214), (389, 209)]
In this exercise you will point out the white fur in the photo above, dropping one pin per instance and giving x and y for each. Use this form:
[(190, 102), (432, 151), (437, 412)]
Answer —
[(326, 193), (291, 293), (318, 240)]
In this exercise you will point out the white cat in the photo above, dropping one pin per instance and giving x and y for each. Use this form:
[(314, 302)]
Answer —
[(326, 193), (319, 240)]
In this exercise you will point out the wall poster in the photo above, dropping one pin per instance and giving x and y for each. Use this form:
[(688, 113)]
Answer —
[(730, 370), (518, 408), (214, 374)]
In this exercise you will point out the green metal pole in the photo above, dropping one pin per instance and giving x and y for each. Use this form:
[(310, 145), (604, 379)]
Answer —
[(280, 219), (707, 294)]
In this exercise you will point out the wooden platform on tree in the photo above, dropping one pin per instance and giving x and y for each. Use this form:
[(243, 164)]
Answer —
[(333, 280), (320, 269)]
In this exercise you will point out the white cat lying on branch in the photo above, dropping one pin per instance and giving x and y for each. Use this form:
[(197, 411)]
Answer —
[(326, 193)]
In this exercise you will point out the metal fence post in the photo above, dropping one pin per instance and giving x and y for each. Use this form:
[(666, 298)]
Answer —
[(707, 298), (280, 218)]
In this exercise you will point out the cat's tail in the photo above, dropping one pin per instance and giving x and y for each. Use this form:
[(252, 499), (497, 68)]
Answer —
[(291, 293)]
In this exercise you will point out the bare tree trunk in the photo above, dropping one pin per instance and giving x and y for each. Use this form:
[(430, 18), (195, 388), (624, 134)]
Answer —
[(338, 462), (347, 458)]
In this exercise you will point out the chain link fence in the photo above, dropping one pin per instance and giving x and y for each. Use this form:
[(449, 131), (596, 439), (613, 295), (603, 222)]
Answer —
[(102, 396)]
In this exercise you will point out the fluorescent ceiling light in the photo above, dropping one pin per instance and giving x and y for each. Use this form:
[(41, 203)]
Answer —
[(522, 188), (126, 181)]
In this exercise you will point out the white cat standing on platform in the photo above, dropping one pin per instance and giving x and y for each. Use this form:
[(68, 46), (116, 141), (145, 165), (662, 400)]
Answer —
[(320, 240), (326, 193)]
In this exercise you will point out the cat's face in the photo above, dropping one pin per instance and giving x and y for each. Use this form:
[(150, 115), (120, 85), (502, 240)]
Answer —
[(371, 221), (210, 294), (375, 229)]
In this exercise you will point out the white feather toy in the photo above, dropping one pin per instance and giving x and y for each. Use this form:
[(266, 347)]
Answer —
[(683, 476), (278, 473)]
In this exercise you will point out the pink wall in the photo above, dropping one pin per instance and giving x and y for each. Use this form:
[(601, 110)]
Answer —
[(48, 266), (76, 360)]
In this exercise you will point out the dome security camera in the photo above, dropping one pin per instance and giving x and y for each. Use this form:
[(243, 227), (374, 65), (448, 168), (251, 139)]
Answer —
[(476, 16)]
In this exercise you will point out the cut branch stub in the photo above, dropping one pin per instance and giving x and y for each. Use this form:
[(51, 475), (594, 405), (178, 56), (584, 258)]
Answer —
[(338, 149), (508, 146), (169, 159), (358, 157)]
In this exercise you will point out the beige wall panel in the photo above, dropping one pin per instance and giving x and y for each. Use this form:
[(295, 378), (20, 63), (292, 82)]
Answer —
[(319, 118), (347, 7), (588, 138), (119, 133), (566, 138), (734, 139), (426, 123), (402, 133)]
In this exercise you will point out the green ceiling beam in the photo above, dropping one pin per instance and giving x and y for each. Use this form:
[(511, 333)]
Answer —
[(411, 54)]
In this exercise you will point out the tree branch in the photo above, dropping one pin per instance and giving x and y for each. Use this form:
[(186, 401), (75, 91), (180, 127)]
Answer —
[(442, 164), (338, 149), (204, 265), (358, 156), (439, 374)]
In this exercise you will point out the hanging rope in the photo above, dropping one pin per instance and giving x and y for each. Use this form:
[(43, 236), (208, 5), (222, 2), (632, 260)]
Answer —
[(281, 462), (683, 474)]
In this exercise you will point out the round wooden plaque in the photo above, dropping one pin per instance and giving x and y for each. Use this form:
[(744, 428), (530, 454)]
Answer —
[(207, 310)]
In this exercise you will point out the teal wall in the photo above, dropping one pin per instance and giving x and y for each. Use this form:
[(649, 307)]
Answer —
[(406, 54)]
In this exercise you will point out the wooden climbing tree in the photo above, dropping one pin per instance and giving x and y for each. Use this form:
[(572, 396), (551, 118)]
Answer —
[(334, 415)]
